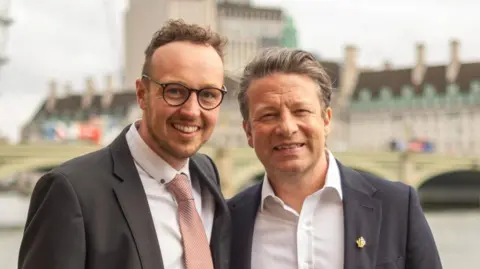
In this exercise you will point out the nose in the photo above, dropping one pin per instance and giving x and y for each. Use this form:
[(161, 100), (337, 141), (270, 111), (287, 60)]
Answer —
[(287, 126), (191, 107)]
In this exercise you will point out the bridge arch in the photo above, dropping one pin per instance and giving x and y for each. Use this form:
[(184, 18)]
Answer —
[(469, 178), (440, 169), (452, 187)]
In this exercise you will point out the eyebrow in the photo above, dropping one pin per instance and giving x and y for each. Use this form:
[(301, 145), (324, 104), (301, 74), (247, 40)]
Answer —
[(265, 108), (203, 86)]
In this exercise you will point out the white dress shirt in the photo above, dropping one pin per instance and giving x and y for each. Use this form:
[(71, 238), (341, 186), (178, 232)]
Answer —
[(313, 239), (155, 173)]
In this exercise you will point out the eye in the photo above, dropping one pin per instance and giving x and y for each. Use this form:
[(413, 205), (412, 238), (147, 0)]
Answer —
[(268, 116), (210, 94), (302, 111), (175, 90)]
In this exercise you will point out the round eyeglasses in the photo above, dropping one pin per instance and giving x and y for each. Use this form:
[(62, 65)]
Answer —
[(176, 94)]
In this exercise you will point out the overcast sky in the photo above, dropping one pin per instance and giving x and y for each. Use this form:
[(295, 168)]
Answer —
[(68, 40)]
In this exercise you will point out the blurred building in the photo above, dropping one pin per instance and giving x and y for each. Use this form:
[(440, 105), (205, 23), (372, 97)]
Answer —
[(5, 22), (97, 115), (247, 28), (420, 108)]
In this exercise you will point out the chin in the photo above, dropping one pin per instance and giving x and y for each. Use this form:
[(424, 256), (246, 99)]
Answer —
[(291, 167), (187, 151)]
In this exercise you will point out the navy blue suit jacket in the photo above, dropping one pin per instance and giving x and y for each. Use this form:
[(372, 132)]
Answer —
[(387, 214)]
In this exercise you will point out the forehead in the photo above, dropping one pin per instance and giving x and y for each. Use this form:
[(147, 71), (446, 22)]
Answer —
[(283, 88), (188, 62)]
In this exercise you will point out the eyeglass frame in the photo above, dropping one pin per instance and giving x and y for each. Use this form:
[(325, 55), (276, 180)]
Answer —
[(223, 90)]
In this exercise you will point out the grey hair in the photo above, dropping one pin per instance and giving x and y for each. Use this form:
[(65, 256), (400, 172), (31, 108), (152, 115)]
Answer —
[(284, 60)]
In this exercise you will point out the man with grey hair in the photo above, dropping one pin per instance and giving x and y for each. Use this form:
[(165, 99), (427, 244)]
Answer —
[(310, 211)]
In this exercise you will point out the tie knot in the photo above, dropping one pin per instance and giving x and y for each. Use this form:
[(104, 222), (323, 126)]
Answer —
[(180, 188)]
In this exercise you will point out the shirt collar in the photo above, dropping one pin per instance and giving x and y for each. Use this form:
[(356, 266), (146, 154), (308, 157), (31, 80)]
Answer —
[(332, 180), (148, 160)]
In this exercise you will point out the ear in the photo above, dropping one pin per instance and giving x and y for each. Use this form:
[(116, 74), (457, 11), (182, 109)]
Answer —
[(142, 92), (248, 131), (327, 120)]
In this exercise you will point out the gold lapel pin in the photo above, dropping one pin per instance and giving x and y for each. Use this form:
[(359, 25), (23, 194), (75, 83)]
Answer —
[(361, 242)]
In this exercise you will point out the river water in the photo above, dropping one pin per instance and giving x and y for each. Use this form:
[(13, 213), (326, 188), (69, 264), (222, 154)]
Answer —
[(457, 233)]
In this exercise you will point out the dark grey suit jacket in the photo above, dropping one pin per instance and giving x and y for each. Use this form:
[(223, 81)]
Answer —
[(387, 214), (92, 212)]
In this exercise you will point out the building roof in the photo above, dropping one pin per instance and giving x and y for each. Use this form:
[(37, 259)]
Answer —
[(397, 78), (333, 70), (121, 101), (68, 105), (468, 73)]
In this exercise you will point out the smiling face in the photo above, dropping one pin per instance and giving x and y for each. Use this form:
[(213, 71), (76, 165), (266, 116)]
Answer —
[(177, 132), (286, 126)]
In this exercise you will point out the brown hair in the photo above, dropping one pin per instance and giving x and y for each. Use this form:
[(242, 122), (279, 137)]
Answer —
[(178, 30), (284, 60)]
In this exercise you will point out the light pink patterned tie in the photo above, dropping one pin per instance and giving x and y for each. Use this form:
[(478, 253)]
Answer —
[(195, 244)]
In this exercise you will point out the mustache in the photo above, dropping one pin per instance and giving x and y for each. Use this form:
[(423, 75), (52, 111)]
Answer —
[(186, 119)]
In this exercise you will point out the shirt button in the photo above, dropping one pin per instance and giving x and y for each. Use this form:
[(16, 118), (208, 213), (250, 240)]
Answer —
[(162, 181)]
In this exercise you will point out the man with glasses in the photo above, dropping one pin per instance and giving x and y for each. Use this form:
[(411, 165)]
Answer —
[(147, 200)]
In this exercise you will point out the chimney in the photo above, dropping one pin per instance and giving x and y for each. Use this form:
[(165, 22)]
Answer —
[(420, 54), (89, 93), (351, 56), (68, 88), (341, 98), (418, 72), (52, 96), (108, 92), (454, 66), (387, 65), (348, 76)]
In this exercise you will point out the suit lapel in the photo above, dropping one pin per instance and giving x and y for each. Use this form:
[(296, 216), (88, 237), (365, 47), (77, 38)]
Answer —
[(209, 183), (220, 239), (362, 218), (244, 211), (133, 201)]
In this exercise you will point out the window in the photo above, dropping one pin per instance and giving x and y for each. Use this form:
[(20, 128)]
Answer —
[(365, 95), (407, 92), (427, 96), (453, 94), (452, 89), (385, 93), (429, 92), (475, 87), (474, 96), (385, 98), (407, 95)]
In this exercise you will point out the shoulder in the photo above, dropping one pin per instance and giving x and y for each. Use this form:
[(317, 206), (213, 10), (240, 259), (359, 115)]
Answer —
[(89, 163), (203, 158), (247, 195), (386, 186), (397, 197), (84, 177), (389, 190), (85, 172)]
